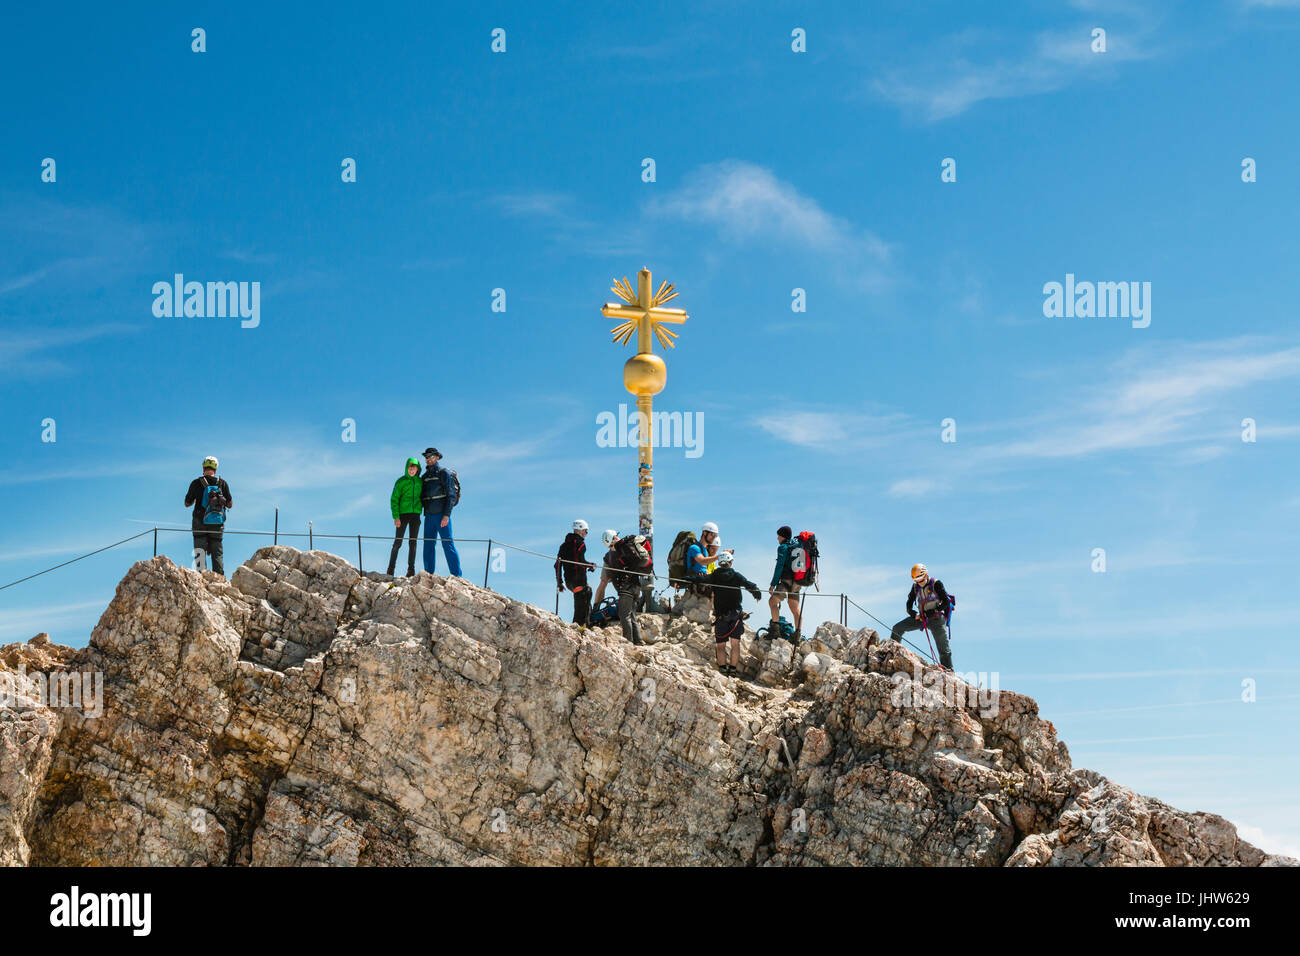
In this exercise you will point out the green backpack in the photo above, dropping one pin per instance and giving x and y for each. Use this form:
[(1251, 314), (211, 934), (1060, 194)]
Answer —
[(677, 557)]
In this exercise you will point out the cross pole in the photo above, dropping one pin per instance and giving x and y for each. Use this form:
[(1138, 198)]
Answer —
[(644, 375)]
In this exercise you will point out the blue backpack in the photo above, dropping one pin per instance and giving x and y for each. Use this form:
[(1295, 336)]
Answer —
[(786, 628), (605, 613), (214, 503)]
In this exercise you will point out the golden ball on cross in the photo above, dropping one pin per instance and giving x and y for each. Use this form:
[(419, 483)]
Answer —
[(645, 374)]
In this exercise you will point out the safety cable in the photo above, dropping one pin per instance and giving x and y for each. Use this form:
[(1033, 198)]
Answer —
[(76, 559), (360, 537)]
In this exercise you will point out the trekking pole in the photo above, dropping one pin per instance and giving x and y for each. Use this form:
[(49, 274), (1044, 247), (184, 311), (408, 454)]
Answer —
[(487, 566), (276, 533), (310, 546), (927, 637), (155, 541), (359, 567)]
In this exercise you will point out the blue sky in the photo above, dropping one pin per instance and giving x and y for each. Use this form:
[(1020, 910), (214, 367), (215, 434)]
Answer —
[(775, 170)]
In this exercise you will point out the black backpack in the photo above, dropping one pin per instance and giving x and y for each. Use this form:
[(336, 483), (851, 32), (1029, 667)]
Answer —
[(631, 557), (453, 486)]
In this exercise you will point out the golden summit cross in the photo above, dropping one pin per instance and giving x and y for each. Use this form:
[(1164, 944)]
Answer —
[(644, 374)]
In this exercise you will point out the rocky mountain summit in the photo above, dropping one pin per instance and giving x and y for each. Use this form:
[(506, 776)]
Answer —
[(304, 713)]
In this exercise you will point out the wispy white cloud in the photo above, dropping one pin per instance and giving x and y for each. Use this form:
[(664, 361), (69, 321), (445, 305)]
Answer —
[(1220, 701), (913, 488), (23, 623), (1143, 740), (539, 203), (970, 67), (38, 352), (1150, 400), (249, 257), (749, 203), (805, 428), (1144, 675), (56, 241), (1266, 841), (46, 476), (839, 428), (568, 222), (15, 283)]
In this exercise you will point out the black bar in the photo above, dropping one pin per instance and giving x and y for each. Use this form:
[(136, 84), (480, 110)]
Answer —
[(487, 565), (277, 527), (155, 541), (359, 567), (310, 546)]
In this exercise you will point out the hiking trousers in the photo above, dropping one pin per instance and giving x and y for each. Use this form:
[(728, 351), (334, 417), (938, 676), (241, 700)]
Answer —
[(938, 628), (207, 544), (582, 605), (627, 601), (433, 530), (413, 523)]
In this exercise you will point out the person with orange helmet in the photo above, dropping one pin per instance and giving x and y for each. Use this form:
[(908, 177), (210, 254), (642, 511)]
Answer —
[(928, 606)]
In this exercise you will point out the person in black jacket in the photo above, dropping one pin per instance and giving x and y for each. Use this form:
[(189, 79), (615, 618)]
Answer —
[(571, 567), (930, 599), (436, 499), (208, 520), (726, 584), (629, 566)]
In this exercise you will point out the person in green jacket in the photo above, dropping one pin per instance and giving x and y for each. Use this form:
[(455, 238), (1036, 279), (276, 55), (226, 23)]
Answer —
[(405, 502)]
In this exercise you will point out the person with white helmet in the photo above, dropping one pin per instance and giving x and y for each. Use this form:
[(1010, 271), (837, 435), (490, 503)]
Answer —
[(699, 555), (210, 496), (571, 567), (609, 538), (726, 585), (929, 607)]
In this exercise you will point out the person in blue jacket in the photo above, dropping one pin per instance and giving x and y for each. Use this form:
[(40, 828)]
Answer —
[(783, 586), (699, 556), (435, 496)]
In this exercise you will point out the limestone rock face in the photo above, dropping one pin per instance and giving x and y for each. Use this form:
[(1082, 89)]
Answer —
[(305, 714)]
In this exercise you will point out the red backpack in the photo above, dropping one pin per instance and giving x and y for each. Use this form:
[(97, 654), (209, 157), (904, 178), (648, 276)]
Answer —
[(802, 559)]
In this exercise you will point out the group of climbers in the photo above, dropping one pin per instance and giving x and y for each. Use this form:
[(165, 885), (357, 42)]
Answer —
[(431, 495), (626, 565), (699, 566), (696, 564)]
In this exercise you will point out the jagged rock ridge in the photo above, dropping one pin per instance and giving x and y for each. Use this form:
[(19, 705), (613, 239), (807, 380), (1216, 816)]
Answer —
[(304, 713)]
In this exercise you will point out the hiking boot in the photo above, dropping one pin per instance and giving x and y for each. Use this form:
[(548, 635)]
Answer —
[(410, 572), (797, 638)]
